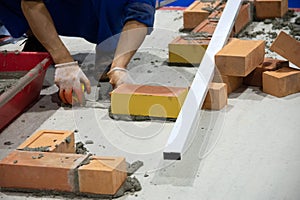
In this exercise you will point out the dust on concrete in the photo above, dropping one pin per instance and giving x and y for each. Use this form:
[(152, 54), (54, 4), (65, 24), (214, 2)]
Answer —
[(8, 143), (89, 142)]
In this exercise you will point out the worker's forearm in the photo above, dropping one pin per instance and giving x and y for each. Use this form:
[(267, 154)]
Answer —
[(132, 36), (43, 28)]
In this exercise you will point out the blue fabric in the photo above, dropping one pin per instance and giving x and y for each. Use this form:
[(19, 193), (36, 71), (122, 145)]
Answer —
[(94, 20)]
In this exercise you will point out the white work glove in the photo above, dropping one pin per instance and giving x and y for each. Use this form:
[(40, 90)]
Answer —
[(68, 77), (118, 76)]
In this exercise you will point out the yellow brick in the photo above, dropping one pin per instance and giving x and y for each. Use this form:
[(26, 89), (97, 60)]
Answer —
[(145, 100), (185, 51)]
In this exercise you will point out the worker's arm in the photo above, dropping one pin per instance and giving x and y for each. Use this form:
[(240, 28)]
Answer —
[(68, 76), (43, 28), (131, 38)]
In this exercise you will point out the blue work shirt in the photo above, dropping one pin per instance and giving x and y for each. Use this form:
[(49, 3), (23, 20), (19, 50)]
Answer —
[(94, 20)]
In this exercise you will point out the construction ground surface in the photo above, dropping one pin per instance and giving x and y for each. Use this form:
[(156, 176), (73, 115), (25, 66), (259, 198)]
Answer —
[(248, 150)]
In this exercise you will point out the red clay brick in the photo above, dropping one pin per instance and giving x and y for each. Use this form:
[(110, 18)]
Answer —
[(288, 47), (240, 57), (40, 171), (56, 141), (194, 14), (282, 82), (103, 175), (232, 82), (207, 26), (269, 64), (244, 17), (216, 98), (270, 8)]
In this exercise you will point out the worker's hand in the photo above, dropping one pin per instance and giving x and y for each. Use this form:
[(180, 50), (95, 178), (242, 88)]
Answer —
[(118, 76), (68, 77)]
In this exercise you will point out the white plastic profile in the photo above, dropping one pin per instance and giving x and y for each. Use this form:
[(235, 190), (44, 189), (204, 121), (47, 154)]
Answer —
[(198, 90)]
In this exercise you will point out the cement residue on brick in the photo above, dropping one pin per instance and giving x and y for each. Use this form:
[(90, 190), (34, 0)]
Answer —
[(42, 149), (80, 149), (68, 140)]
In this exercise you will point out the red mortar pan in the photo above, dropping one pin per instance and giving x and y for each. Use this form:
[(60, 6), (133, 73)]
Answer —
[(27, 89)]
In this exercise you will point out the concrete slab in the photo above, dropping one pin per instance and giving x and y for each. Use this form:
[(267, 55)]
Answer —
[(249, 150)]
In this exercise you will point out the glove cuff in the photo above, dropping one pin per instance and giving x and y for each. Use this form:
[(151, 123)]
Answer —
[(116, 69), (69, 64)]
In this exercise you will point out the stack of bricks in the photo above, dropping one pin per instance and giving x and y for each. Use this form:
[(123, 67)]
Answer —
[(237, 60), (189, 49), (202, 18), (245, 59), (47, 161), (286, 80)]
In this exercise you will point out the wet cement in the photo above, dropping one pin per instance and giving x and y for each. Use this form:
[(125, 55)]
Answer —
[(133, 167), (289, 22), (137, 117), (131, 185), (8, 79)]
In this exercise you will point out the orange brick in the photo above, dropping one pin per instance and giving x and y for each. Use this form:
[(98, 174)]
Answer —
[(194, 14), (240, 57), (270, 8), (40, 171), (216, 98), (217, 13), (103, 175), (50, 140), (282, 82), (187, 50), (269, 64), (232, 82), (207, 26), (243, 18), (287, 47)]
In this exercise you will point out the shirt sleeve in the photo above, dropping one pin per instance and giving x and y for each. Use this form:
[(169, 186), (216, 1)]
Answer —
[(140, 10)]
